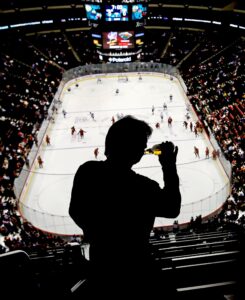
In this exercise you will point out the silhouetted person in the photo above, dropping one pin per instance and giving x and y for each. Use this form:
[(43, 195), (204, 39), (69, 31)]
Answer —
[(116, 208)]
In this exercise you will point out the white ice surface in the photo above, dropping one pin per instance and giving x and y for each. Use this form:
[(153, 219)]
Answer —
[(49, 188)]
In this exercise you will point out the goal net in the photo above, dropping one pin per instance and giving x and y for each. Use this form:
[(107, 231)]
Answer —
[(122, 78)]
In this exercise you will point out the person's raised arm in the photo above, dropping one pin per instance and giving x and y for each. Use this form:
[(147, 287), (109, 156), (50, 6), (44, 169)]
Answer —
[(167, 159)]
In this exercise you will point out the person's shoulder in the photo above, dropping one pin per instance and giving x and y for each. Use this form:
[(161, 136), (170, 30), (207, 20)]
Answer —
[(93, 163), (146, 180), (90, 165)]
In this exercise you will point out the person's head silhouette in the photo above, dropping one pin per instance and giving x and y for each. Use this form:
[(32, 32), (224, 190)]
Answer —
[(126, 141)]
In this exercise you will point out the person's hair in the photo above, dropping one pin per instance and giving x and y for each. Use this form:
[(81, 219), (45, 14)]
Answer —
[(126, 132)]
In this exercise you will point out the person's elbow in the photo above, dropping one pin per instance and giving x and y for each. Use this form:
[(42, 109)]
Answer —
[(175, 209), (70, 211), (72, 207), (174, 213)]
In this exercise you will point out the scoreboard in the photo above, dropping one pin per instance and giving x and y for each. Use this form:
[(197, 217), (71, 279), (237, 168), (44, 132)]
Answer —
[(117, 28)]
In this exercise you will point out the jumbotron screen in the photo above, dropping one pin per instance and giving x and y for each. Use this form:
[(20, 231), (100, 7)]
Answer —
[(118, 40), (139, 11), (116, 12), (93, 12)]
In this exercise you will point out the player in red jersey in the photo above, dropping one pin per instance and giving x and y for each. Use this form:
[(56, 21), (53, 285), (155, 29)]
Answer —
[(195, 131), (40, 161), (191, 126), (196, 152), (170, 120), (47, 140), (214, 154), (73, 130), (96, 152), (81, 132), (207, 152)]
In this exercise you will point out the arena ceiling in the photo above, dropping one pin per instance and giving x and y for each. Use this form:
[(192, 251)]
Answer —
[(71, 14)]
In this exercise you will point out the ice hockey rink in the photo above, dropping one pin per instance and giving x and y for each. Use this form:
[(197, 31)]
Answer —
[(45, 198)]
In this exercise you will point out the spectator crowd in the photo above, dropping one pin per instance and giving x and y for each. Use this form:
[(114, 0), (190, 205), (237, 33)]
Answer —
[(29, 80)]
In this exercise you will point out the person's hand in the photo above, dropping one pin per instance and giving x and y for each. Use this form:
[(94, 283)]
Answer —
[(169, 154)]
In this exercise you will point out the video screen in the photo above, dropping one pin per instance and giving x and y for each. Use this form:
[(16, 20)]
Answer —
[(138, 11), (116, 12), (118, 40), (93, 12)]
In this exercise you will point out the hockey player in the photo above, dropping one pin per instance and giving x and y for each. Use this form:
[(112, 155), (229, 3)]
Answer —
[(27, 162), (185, 124), (92, 115), (214, 154), (187, 115), (165, 107), (81, 132), (73, 130), (64, 113), (47, 138), (40, 161), (199, 126), (161, 116), (157, 125), (195, 131), (196, 152), (117, 91), (191, 126), (207, 152), (35, 139), (153, 109), (171, 97), (170, 120), (96, 152)]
